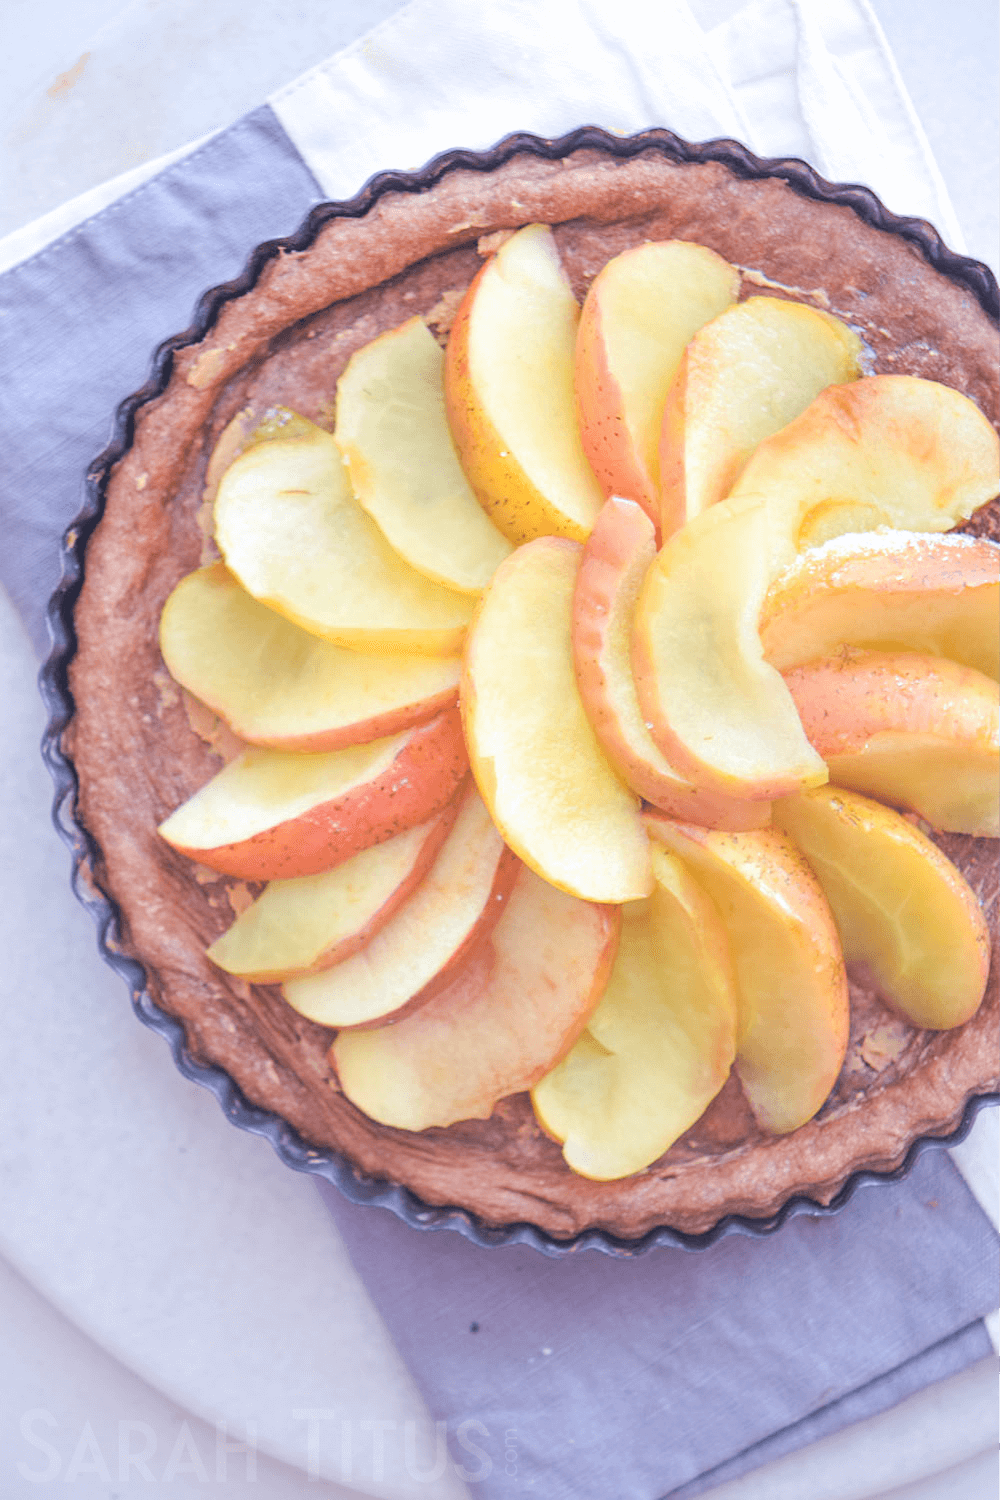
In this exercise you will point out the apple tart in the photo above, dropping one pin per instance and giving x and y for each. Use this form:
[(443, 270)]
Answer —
[(253, 385)]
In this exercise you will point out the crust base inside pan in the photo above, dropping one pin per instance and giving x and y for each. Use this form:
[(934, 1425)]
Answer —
[(138, 755)]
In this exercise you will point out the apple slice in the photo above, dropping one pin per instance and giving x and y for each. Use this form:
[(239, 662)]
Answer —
[(393, 432), (743, 377), (888, 591), (659, 1046), (793, 1004), (890, 450), (639, 314), (301, 926), (509, 392), (717, 710), (275, 684), (537, 762), (615, 560), (275, 814), (920, 732), (905, 914), (290, 529), (502, 1023), (452, 911), (905, 452)]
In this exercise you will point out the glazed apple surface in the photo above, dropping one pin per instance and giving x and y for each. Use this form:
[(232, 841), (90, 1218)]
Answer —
[(638, 316), (302, 926), (292, 532), (597, 675), (616, 559), (891, 450), (537, 762), (509, 389), (451, 911), (273, 814), (394, 435), (920, 732), (660, 1044), (278, 685), (792, 1004), (904, 913), (743, 378), (884, 591), (502, 1024)]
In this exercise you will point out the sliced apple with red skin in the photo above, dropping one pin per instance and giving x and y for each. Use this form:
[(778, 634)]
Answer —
[(717, 710), (509, 393), (743, 377), (616, 558), (423, 945), (292, 532), (275, 814), (793, 1003), (888, 591), (302, 926), (659, 1046), (907, 918), (393, 432), (278, 685), (537, 762), (504, 1021), (890, 450), (920, 732), (639, 314)]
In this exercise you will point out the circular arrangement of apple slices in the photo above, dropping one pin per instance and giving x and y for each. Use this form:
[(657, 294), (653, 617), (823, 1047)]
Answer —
[(680, 562)]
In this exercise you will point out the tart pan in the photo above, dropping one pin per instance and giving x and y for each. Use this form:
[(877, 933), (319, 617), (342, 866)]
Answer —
[(977, 286)]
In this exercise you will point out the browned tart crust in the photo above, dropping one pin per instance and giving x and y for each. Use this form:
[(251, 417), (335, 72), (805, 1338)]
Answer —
[(286, 341)]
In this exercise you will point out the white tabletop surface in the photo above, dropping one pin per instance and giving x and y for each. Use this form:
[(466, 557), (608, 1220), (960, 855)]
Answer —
[(92, 1356)]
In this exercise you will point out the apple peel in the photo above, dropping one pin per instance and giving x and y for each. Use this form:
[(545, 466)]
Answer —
[(502, 1023), (278, 685), (452, 911), (920, 732), (305, 925), (792, 987), (275, 814)]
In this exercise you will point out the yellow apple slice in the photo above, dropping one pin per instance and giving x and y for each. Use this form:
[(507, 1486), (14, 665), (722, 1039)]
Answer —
[(301, 926), (639, 314), (536, 760), (290, 529), (248, 428), (793, 1005), (508, 1016), (920, 732), (452, 911), (718, 711), (890, 450), (393, 432), (659, 1046), (906, 916), (275, 684), (888, 591), (509, 392), (743, 377), (275, 814), (616, 557)]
